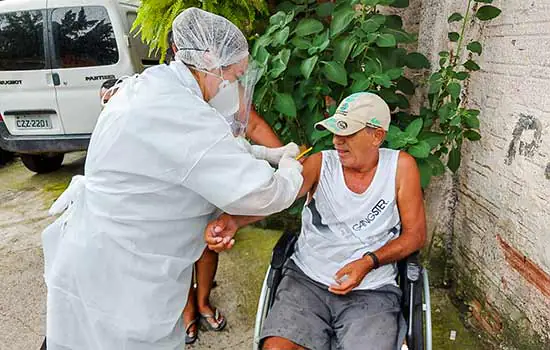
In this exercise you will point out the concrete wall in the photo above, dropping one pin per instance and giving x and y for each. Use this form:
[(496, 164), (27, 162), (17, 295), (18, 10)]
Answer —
[(495, 214)]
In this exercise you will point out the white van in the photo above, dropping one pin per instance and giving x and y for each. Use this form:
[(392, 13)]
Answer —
[(54, 57)]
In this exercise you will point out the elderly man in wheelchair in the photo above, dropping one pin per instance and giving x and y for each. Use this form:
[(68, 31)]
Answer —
[(364, 213)]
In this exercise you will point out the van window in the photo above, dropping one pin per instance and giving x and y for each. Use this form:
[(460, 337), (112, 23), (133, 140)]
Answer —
[(22, 41), (83, 37)]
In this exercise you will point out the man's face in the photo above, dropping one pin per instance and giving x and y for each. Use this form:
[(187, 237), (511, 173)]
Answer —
[(354, 150)]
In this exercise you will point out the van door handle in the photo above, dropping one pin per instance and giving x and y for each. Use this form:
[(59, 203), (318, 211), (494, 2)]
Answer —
[(56, 80)]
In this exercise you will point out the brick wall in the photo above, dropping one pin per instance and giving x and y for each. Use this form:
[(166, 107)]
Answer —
[(495, 214)]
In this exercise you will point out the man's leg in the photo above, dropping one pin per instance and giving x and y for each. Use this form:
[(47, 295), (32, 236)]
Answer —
[(369, 317), (277, 343), (190, 312), (299, 318), (207, 266)]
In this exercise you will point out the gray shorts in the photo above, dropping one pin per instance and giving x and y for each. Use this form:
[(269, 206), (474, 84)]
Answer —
[(307, 314)]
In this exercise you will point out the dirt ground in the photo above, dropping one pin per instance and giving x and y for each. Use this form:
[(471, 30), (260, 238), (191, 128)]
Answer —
[(24, 201)]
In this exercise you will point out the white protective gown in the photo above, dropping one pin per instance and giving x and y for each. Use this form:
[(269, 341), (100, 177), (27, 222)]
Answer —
[(119, 259)]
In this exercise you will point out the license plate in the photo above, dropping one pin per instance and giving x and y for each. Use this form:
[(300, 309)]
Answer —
[(33, 122)]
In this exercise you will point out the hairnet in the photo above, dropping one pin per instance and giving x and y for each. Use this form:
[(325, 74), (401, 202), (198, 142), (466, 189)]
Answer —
[(207, 41)]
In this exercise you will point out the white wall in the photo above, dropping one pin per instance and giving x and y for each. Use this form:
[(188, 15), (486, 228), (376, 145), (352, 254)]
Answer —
[(500, 228)]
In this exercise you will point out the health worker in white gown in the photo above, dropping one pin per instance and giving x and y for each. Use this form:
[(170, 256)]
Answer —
[(162, 158)]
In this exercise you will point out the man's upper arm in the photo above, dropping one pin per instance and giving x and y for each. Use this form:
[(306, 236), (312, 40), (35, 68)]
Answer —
[(312, 169), (410, 199)]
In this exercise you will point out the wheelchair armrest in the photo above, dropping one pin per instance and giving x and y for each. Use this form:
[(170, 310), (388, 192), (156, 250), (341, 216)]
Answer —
[(283, 249), (414, 269)]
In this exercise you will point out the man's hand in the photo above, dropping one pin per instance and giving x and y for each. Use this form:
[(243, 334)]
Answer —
[(351, 275), (220, 232)]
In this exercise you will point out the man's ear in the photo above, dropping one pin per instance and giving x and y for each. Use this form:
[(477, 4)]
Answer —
[(379, 136)]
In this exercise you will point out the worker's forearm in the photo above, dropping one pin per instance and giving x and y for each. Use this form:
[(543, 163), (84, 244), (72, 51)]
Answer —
[(261, 133), (399, 248)]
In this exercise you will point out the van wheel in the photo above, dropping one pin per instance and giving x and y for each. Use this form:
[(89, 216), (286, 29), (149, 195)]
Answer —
[(42, 163), (5, 157)]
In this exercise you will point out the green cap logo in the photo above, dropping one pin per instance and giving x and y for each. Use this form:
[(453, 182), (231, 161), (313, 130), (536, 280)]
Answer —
[(375, 121)]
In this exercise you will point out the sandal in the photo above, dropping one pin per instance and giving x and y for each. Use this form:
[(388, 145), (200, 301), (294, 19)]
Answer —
[(190, 339), (216, 317)]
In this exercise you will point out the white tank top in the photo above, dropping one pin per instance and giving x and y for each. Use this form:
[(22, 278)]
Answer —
[(340, 226)]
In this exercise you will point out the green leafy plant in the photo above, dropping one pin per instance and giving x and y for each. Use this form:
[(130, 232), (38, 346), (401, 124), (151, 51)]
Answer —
[(314, 54), (155, 17), (445, 122)]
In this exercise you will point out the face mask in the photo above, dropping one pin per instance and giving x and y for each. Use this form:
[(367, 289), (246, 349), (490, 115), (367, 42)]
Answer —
[(226, 101)]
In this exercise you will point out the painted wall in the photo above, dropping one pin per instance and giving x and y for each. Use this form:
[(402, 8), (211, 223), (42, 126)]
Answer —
[(495, 214)]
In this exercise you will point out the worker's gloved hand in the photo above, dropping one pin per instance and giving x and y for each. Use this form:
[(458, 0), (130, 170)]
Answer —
[(244, 143), (274, 155), (288, 161)]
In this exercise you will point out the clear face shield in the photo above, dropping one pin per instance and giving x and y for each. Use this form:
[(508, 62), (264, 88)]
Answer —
[(247, 82), (234, 97)]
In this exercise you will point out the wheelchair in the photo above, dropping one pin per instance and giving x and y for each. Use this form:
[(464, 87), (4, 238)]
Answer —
[(412, 279)]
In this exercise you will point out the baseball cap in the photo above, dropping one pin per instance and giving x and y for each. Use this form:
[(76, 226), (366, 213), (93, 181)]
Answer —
[(355, 112)]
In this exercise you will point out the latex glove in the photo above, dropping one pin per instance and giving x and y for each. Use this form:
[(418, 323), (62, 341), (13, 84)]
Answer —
[(274, 155), (288, 161), (244, 143)]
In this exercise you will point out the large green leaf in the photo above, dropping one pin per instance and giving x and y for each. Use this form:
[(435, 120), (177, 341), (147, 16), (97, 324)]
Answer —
[(400, 35), (434, 87), (336, 72), (370, 26), (359, 49), (454, 159), (420, 150), (325, 9), (259, 94), (395, 73), (278, 19), (394, 22), (360, 84), (455, 17), (343, 48), (308, 26), (434, 139), (438, 168), (454, 36), (386, 40), (382, 80), (461, 75), (281, 36), (301, 43), (475, 46), (472, 135), (416, 60), (425, 172), (471, 65), (320, 42), (341, 19), (487, 12), (280, 63), (307, 66), (284, 103), (471, 118), (406, 86), (400, 3), (454, 90), (262, 56), (413, 129)]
